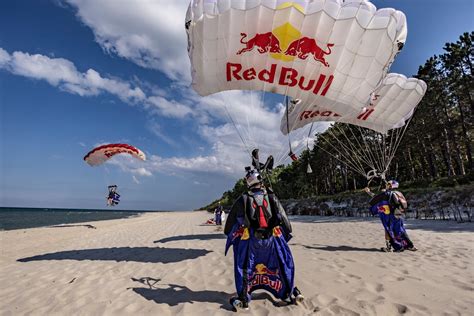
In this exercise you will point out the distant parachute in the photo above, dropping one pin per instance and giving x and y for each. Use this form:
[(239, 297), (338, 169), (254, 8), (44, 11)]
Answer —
[(103, 153)]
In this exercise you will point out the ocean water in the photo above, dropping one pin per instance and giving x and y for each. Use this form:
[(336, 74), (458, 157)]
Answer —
[(18, 218)]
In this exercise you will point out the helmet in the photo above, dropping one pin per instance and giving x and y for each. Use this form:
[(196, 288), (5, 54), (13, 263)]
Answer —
[(393, 184), (253, 178)]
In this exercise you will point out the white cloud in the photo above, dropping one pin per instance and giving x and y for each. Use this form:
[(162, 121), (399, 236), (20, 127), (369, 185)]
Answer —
[(156, 129), (4, 58), (168, 108), (149, 33), (62, 73), (141, 172)]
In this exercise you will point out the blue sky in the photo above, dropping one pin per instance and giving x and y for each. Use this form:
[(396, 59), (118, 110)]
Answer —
[(84, 73)]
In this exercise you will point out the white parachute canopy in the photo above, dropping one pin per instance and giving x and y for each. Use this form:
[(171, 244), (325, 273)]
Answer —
[(103, 153), (331, 55)]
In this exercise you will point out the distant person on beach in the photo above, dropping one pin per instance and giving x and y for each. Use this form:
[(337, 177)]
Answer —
[(218, 214), (258, 229), (390, 205)]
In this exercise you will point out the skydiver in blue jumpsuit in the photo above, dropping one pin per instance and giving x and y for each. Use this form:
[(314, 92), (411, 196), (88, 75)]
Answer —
[(258, 229), (389, 205)]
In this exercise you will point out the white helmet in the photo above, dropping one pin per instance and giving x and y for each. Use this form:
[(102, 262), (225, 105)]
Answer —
[(253, 178)]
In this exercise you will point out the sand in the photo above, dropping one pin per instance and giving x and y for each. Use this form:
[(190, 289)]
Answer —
[(173, 264)]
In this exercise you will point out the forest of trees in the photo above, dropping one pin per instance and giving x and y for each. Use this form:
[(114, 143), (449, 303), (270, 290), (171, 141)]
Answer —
[(436, 147)]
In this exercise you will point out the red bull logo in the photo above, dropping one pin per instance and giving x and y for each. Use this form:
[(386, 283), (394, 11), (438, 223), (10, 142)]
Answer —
[(241, 233), (291, 46), (306, 46), (262, 269), (284, 43), (266, 42), (384, 209), (265, 276), (277, 232)]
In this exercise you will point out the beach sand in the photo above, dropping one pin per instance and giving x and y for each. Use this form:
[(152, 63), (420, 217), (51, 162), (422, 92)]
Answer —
[(173, 264)]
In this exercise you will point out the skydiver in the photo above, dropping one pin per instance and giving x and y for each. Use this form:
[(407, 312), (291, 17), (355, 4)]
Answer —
[(389, 205), (258, 229)]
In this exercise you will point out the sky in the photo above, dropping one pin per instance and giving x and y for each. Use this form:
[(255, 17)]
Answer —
[(75, 74)]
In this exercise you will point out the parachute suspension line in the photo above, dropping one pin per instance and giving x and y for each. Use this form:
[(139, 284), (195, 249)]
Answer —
[(371, 149), (291, 154), (345, 153), (357, 149), (369, 154), (245, 144), (237, 129), (355, 152), (347, 162), (286, 99), (309, 135), (399, 139), (248, 131)]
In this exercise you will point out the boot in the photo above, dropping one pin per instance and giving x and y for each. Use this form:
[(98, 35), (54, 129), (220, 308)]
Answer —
[(297, 296), (239, 304), (388, 247)]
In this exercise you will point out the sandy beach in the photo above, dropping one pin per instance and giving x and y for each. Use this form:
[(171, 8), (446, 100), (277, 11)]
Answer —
[(174, 264)]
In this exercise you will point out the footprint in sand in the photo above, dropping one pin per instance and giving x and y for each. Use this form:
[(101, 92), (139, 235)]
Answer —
[(354, 276), (377, 287), (402, 309), (339, 310)]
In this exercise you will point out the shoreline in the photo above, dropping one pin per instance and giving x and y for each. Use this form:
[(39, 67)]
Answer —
[(21, 218), (302, 218)]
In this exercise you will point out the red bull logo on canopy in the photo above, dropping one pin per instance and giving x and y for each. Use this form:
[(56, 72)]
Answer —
[(331, 55), (292, 45), (284, 43)]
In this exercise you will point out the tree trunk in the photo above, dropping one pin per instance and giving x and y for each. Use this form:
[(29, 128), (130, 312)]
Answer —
[(411, 164), (447, 154), (466, 138), (431, 159)]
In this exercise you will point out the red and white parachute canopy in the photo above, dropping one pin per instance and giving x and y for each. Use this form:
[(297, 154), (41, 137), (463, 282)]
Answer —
[(331, 56), (103, 153)]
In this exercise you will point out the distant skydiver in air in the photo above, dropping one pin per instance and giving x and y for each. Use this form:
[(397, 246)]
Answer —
[(390, 205), (113, 198), (258, 229)]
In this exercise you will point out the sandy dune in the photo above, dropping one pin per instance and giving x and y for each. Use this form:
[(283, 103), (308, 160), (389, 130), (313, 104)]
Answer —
[(173, 264)]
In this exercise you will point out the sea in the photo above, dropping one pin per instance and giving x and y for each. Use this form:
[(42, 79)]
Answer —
[(20, 218)]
